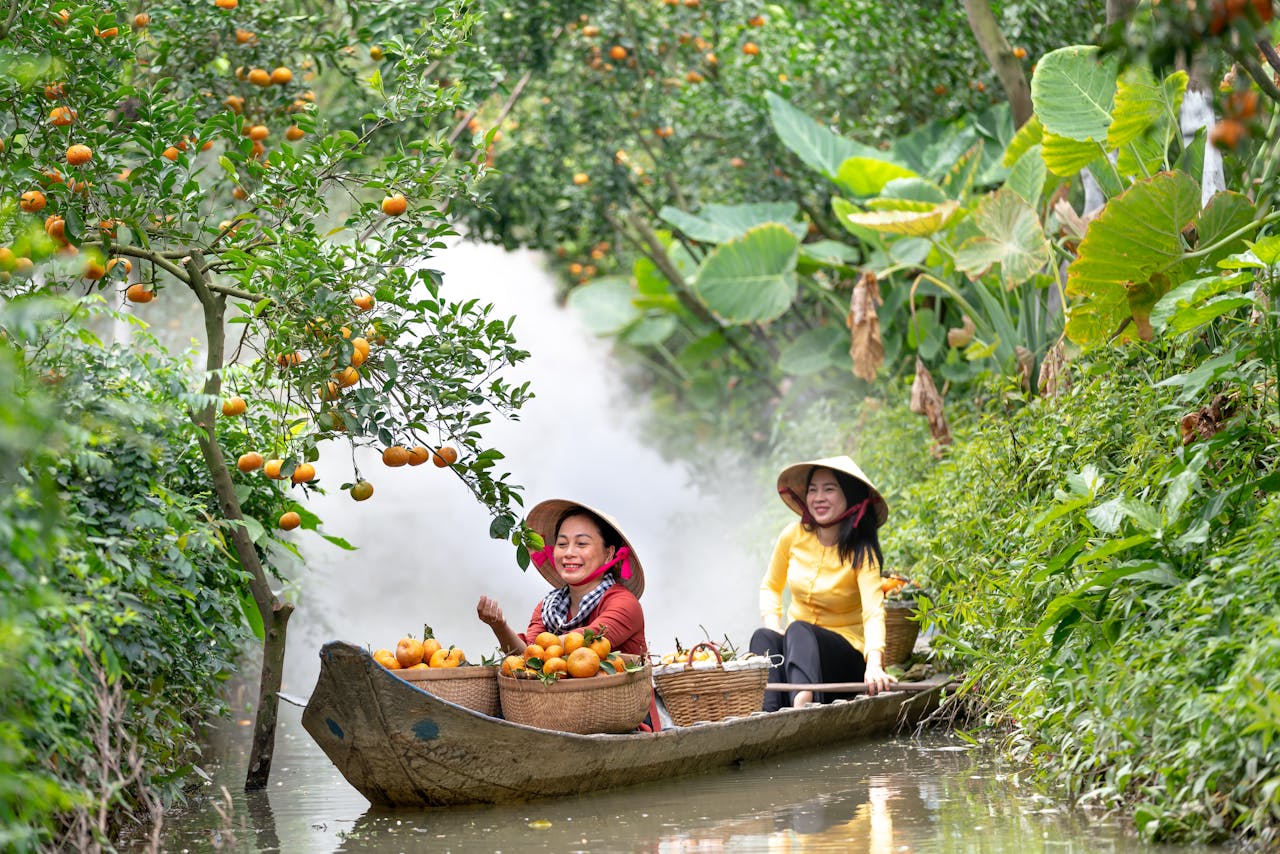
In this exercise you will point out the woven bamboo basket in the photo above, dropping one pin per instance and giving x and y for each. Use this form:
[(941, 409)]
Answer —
[(471, 686), (711, 694), (614, 703), (900, 631)]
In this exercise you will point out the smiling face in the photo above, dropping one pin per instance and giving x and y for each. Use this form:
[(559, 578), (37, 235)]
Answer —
[(580, 549), (825, 499)]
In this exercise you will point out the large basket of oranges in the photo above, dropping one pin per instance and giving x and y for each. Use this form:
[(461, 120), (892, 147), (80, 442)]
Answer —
[(588, 689), (900, 626), (711, 689)]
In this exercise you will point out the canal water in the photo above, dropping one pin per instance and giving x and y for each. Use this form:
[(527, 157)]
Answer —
[(424, 557)]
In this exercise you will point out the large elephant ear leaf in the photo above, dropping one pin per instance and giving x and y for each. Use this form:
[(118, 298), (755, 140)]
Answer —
[(821, 148), (751, 279), (1123, 262), (910, 223), (718, 223), (867, 176), (1142, 104), (1028, 135), (605, 305), (1012, 238), (1073, 91), (1226, 214)]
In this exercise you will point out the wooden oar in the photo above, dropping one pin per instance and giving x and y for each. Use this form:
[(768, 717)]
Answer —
[(851, 687)]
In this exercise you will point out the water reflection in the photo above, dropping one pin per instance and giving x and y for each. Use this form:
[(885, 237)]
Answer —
[(931, 794)]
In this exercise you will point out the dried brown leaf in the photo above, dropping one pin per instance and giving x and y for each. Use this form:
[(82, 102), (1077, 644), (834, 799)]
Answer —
[(960, 336), (926, 401), (1054, 376), (865, 345)]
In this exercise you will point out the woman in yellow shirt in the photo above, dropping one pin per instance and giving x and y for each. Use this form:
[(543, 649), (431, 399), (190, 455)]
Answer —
[(831, 560)]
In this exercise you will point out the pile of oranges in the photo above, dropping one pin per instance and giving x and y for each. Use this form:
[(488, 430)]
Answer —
[(575, 655), (411, 652)]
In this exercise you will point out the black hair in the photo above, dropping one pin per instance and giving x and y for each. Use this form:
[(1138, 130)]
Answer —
[(858, 542)]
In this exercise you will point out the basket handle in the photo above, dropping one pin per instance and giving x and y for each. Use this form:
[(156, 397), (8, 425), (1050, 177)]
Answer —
[(706, 645)]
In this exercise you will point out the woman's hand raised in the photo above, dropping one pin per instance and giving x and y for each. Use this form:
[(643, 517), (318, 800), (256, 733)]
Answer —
[(488, 611)]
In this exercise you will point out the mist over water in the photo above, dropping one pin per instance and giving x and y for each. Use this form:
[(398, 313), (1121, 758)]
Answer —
[(424, 552)]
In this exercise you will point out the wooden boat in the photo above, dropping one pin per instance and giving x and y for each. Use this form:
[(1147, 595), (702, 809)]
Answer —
[(400, 746)]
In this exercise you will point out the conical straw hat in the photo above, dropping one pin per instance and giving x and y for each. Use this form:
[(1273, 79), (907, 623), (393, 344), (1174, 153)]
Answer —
[(796, 478)]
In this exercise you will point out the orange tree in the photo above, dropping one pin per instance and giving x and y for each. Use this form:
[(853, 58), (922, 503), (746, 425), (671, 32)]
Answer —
[(265, 167)]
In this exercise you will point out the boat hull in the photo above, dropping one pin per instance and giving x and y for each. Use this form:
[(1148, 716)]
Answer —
[(400, 746)]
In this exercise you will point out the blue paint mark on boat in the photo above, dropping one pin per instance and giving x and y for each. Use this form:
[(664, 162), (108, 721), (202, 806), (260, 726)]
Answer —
[(335, 729), (426, 729)]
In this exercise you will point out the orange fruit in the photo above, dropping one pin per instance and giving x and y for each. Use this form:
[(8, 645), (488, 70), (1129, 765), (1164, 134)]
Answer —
[(617, 52), (547, 639), (512, 664), (271, 468), (109, 32), (693, 77), (451, 657), (56, 227), (93, 269), (78, 155), (226, 4), (125, 264), (1020, 52), (239, 193), (235, 102), (1227, 133), (601, 647), (54, 91), (408, 651), (533, 651), (294, 133), (395, 456), (259, 132), (61, 116), (251, 461), (573, 641), (281, 76), (233, 406), (289, 360), (32, 201), (429, 647), (555, 665), (555, 650), (582, 662), (141, 19), (170, 153), (756, 21), (375, 52), (362, 490), (290, 520), (445, 456), (138, 293), (348, 377), (418, 455), (304, 473), (581, 178), (259, 77), (387, 659), (364, 302), (243, 36), (395, 204), (751, 49)]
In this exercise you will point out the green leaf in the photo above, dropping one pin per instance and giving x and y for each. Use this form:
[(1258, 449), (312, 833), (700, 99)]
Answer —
[(604, 305), (1142, 105), (1066, 157), (812, 352), (1120, 267), (1267, 250), (649, 331), (1031, 133), (1073, 92), (820, 148), (1225, 214), (1011, 237), (914, 189), (720, 223), (915, 224), (1189, 319), (252, 615), (867, 176), (1191, 293), (829, 253), (751, 279), (1027, 176)]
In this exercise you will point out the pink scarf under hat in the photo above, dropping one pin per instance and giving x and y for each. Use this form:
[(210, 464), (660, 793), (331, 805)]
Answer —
[(547, 554)]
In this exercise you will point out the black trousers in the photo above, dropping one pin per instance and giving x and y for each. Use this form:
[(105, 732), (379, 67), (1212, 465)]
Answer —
[(809, 654)]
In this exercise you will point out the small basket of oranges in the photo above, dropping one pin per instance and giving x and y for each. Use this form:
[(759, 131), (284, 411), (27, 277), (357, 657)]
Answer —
[(444, 672), (703, 685), (575, 683)]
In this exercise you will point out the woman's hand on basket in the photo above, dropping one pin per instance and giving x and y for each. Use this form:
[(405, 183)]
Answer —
[(488, 611)]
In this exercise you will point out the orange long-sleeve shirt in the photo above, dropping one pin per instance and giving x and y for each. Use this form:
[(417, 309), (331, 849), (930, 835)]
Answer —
[(824, 591)]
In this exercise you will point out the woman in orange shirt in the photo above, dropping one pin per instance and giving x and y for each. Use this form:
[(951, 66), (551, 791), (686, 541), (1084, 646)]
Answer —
[(831, 559), (596, 578)]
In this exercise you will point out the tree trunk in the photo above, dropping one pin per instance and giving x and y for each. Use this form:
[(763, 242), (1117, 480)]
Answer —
[(275, 614), (1119, 11), (1008, 69)]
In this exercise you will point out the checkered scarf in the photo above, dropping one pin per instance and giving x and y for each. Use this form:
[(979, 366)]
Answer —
[(555, 607)]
